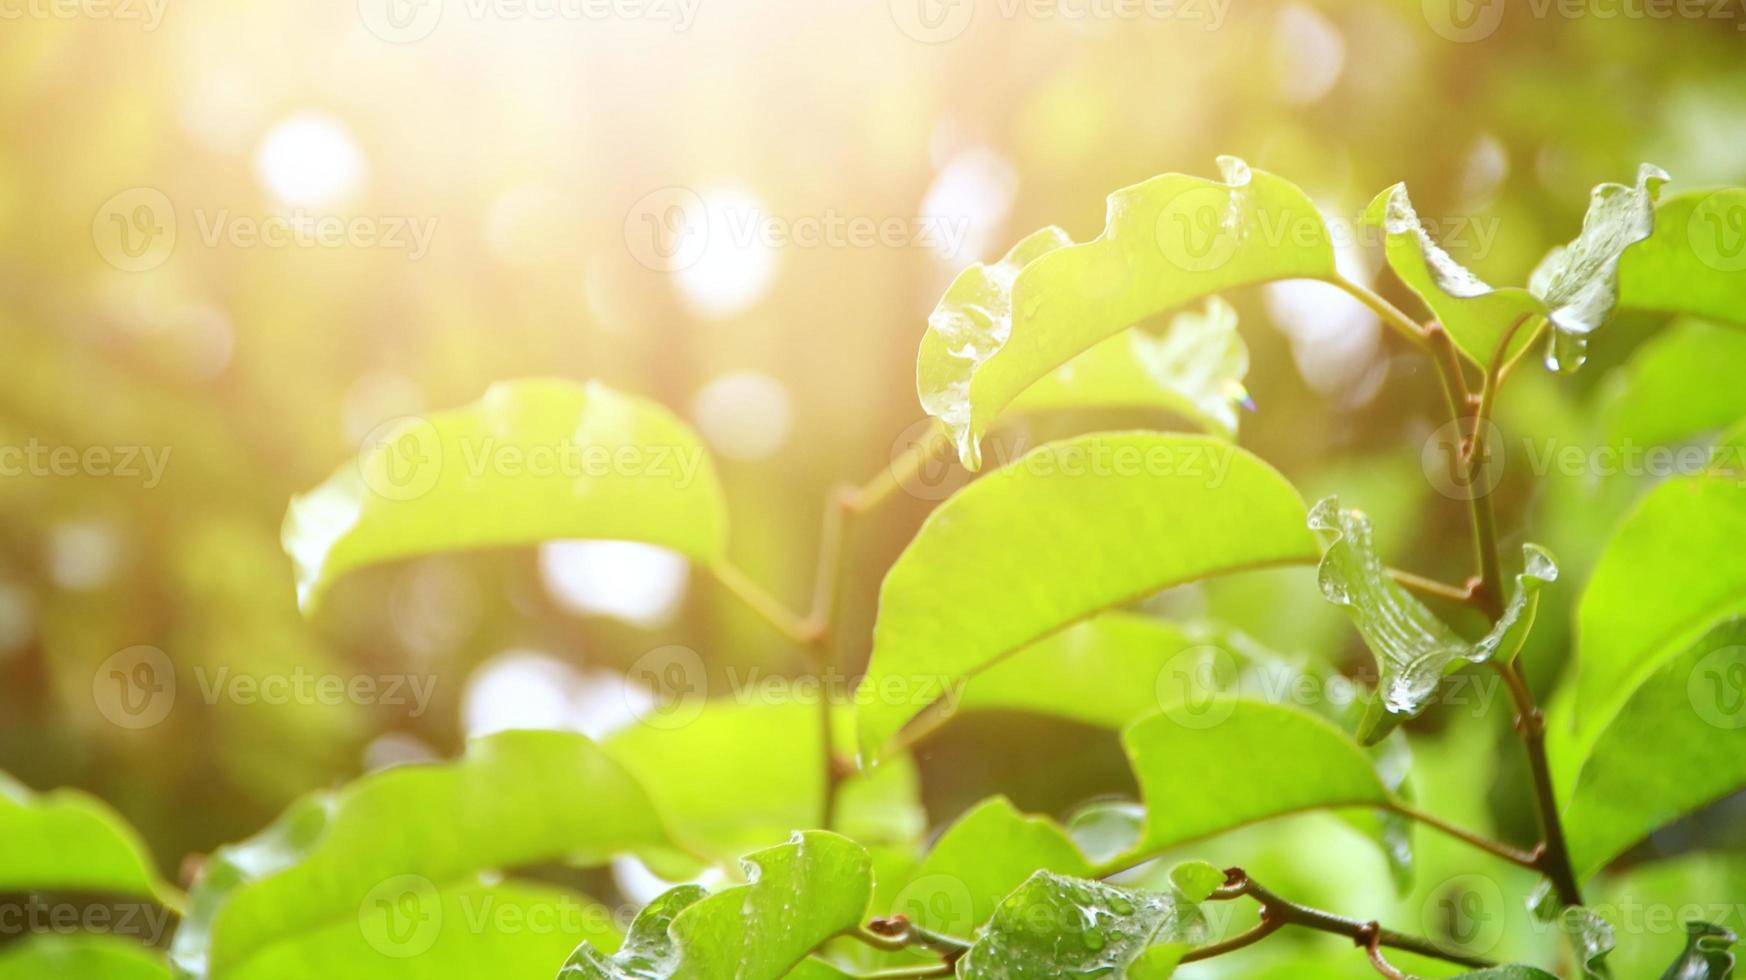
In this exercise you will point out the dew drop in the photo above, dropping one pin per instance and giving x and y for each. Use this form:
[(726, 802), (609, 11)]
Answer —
[(1567, 351)]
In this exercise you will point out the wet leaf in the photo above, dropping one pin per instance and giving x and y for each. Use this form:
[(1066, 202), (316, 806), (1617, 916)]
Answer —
[(798, 895), (1054, 926), (532, 461), (1414, 649), (1196, 880), (1067, 531), (1195, 369), (1170, 240), (422, 831), (1708, 954)]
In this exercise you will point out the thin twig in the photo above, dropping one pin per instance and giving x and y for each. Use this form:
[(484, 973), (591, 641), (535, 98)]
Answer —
[(1424, 586), (1390, 314), (1486, 844)]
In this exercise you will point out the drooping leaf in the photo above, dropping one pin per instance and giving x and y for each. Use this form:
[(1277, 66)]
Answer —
[(739, 775), (1476, 315), (1066, 531), (979, 860), (67, 840), (1579, 281), (1236, 762), (1195, 369), (80, 957), (798, 895), (1167, 241), (1673, 567), (1414, 649), (1708, 954), (1678, 743), (1682, 383), (531, 461), (1054, 926), (515, 798), (1695, 260), (1590, 936)]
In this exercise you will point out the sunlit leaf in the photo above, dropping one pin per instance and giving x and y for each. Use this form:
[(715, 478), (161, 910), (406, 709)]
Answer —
[(1233, 762), (981, 858), (1682, 383), (736, 776), (1054, 926), (1068, 530), (1678, 743), (798, 895), (1673, 567), (66, 840), (1167, 241), (515, 798), (1708, 954), (1579, 281), (1695, 261), (531, 461), (1476, 315), (1414, 649), (80, 957), (1195, 370), (1197, 880)]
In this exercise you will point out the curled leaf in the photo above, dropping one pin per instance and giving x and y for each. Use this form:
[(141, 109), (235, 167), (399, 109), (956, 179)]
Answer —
[(1167, 241), (1708, 954), (1590, 936), (1414, 649)]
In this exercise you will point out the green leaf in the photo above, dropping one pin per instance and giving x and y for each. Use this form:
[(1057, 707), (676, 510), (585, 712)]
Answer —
[(1233, 762), (1197, 880), (1167, 241), (1694, 261), (1708, 954), (1682, 383), (1678, 743), (1414, 649), (531, 461), (1195, 369), (515, 798), (67, 840), (736, 776), (978, 861), (1579, 282), (799, 895), (1590, 936), (80, 957), (1476, 315), (1663, 895), (1053, 926), (1673, 567), (1516, 972), (1068, 530)]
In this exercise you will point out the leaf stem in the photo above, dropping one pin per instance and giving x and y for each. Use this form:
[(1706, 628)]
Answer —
[(1486, 844), (1277, 912), (1402, 324), (767, 606), (1431, 587), (1553, 857)]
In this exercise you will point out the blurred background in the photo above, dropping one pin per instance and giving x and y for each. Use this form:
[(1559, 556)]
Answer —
[(237, 237)]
